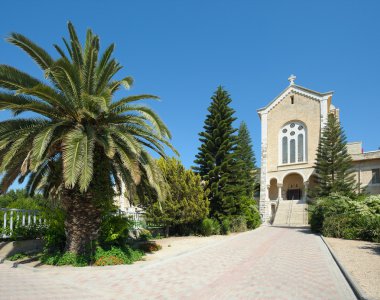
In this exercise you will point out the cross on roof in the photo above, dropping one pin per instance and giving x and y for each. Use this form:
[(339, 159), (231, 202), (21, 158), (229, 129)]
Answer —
[(291, 79)]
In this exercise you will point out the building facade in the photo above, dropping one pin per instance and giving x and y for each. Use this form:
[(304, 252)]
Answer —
[(291, 127)]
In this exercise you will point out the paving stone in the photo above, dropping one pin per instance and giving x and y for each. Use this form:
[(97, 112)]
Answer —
[(267, 263)]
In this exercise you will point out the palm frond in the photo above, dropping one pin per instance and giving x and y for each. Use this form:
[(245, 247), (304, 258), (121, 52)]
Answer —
[(39, 55), (73, 155)]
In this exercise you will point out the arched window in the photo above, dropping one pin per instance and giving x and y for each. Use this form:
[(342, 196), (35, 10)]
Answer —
[(293, 143)]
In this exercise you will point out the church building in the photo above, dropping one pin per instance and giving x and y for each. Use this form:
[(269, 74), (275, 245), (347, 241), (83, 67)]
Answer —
[(291, 126)]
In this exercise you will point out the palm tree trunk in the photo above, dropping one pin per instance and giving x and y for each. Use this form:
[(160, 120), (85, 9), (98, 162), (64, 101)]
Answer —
[(82, 222)]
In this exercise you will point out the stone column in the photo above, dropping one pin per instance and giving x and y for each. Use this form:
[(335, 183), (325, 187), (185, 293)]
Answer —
[(279, 186), (264, 195)]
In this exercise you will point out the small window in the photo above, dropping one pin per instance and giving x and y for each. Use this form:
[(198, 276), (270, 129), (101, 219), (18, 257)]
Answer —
[(375, 176), (292, 99)]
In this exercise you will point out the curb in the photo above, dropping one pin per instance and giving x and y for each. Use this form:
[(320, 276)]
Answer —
[(359, 293)]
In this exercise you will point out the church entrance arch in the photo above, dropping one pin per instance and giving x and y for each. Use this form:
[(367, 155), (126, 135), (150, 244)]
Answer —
[(293, 186)]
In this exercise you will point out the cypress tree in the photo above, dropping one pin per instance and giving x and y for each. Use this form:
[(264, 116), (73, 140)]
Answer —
[(333, 163), (246, 156), (215, 160)]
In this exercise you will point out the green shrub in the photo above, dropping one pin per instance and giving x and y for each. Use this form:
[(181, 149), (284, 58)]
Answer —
[(17, 256), (225, 227), (116, 256), (209, 227), (66, 258), (114, 230), (101, 257), (150, 247), (342, 217), (252, 217), (238, 224), (55, 237)]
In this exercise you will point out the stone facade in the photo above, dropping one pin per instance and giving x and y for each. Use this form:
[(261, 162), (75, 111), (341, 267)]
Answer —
[(291, 127)]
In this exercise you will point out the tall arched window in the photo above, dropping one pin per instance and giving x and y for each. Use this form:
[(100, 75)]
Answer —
[(293, 143)]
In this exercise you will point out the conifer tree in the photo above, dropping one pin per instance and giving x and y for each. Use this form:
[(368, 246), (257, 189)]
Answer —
[(245, 154), (216, 161), (333, 163)]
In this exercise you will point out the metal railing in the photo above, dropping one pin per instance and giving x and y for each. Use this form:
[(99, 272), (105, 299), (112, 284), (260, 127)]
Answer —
[(137, 218), (12, 217)]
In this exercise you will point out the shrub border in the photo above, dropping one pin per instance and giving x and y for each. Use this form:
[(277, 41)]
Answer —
[(359, 293)]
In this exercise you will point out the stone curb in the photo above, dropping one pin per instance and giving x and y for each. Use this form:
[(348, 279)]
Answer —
[(359, 293)]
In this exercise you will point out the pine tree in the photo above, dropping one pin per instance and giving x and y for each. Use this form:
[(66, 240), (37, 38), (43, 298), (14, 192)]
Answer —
[(216, 161), (333, 163), (245, 154)]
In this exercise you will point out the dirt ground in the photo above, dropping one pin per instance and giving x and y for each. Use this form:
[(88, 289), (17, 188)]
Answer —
[(362, 260), (174, 246)]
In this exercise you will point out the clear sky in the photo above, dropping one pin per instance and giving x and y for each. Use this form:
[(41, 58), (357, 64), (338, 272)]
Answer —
[(182, 50)]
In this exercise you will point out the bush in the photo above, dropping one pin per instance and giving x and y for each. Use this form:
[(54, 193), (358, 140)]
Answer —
[(342, 217), (252, 216), (209, 227), (150, 247), (66, 258), (238, 224), (102, 257), (226, 226), (114, 230), (116, 256)]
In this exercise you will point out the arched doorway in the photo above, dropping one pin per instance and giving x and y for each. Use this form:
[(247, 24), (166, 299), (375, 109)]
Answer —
[(293, 187)]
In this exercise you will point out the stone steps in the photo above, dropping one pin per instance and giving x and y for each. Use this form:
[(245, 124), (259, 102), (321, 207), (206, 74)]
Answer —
[(291, 213)]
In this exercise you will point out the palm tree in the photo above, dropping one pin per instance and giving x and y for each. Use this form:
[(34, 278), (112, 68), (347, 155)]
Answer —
[(82, 142)]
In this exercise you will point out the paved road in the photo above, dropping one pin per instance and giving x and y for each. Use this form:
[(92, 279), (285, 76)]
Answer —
[(267, 263)]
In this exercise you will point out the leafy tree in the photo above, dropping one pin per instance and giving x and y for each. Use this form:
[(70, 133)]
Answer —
[(245, 154), (186, 202), (333, 163), (216, 161), (83, 139)]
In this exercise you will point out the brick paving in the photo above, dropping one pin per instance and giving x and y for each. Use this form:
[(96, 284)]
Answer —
[(267, 263)]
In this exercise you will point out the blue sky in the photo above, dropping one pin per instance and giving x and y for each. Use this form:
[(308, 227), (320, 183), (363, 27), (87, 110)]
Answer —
[(182, 50)]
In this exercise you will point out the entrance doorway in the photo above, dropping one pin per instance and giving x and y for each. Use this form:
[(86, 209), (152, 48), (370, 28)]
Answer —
[(293, 194)]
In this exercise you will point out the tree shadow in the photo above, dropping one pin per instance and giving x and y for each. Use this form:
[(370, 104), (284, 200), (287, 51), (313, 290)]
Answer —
[(374, 248)]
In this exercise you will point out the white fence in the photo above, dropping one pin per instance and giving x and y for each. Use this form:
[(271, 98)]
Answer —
[(12, 217), (137, 217)]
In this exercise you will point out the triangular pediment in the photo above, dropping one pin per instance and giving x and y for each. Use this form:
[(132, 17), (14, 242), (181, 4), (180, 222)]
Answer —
[(295, 89)]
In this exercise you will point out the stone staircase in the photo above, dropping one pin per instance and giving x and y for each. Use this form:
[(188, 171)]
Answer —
[(292, 213)]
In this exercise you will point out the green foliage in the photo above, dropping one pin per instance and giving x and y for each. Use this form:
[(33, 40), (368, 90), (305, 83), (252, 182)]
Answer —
[(28, 232), (116, 256), (17, 256), (209, 227), (79, 123), (19, 199), (114, 230), (101, 257), (216, 160), (238, 224), (225, 226), (54, 237), (343, 217), (62, 259), (333, 163), (245, 154), (251, 214), (186, 202)]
